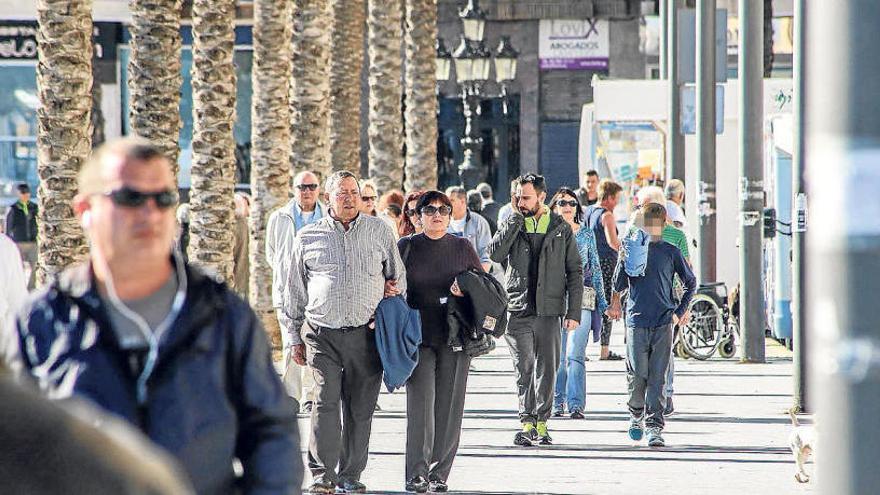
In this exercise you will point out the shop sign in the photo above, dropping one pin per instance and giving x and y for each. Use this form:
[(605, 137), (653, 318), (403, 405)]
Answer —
[(18, 40), (573, 44)]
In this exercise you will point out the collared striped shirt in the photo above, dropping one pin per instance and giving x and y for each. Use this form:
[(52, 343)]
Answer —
[(337, 277)]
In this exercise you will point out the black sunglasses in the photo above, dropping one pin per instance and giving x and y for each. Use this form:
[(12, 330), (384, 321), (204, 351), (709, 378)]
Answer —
[(127, 197), (532, 179), (562, 202), (410, 212), (368, 198), (307, 187), (431, 210)]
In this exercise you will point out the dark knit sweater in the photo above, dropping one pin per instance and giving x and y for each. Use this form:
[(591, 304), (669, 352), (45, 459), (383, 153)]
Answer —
[(431, 267)]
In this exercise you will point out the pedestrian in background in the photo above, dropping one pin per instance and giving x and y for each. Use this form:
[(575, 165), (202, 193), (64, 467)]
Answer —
[(545, 289), (505, 211), (435, 392), (571, 384), (588, 193), (21, 227), (159, 344), (343, 265), (281, 228), (675, 203), (490, 206), (600, 219), (651, 313), (368, 199), (411, 223), (469, 225)]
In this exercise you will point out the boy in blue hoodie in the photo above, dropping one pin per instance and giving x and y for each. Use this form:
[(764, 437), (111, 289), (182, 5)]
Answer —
[(651, 313)]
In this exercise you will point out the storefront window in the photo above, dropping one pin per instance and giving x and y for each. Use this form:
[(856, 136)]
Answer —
[(243, 59), (18, 127)]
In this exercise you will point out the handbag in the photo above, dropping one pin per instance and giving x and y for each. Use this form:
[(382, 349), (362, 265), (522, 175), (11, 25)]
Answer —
[(589, 299)]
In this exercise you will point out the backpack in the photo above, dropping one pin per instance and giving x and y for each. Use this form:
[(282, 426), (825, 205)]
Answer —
[(634, 251)]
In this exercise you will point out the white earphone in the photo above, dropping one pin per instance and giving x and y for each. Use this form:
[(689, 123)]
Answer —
[(86, 219)]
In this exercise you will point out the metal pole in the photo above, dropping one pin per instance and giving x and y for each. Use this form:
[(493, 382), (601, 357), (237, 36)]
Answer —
[(843, 271), (798, 241), (706, 137), (675, 157), (664, 44), (751, 166)]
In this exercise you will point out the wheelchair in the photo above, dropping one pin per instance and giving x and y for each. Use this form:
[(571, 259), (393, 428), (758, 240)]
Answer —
[(713, 326)]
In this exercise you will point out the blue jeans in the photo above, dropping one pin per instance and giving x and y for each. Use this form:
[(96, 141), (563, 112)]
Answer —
[(571, 377)]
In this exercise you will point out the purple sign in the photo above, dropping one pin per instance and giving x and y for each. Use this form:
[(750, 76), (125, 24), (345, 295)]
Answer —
[(574, 63)]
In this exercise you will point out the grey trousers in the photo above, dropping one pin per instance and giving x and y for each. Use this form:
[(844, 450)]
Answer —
[(647, 361), (535, 343), (434, 408), (348, 373)]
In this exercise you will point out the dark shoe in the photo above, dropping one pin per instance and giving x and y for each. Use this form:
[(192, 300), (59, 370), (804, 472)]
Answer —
[(418, 485), (527, 437), (321, 486), (438, 486), (307, 407), (377, 408), (352, 486), (543, 434), (612, 357), (577, 414), (670, 409), (559, 412)]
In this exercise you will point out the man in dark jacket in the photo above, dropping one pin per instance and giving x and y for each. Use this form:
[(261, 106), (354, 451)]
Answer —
[(544, 285), (155, 342), (21, 219)]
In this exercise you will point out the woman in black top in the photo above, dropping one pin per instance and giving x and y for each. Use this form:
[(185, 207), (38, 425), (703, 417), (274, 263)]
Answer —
[(435, 391)]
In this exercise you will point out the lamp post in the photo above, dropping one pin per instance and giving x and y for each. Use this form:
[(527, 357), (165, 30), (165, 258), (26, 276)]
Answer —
[(472, 62)]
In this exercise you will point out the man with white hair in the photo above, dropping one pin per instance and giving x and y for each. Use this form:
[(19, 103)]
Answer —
[(674, 203), (281, 228)]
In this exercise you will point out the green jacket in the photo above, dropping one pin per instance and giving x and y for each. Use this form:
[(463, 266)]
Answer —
[(560, 271)]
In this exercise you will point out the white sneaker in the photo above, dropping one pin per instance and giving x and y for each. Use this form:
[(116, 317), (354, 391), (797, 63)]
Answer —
[(655, 439)]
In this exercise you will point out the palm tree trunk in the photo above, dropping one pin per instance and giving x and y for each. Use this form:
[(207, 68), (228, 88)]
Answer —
[(270, 165), (384, 28), (213, 160), (154, 78), (421, 96), (64, 84), (347, 60), (310, 87)]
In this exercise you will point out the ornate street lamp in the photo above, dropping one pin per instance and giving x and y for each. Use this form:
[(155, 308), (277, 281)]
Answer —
[(474, 20), (505, 68), (473, 62), (442, 61)]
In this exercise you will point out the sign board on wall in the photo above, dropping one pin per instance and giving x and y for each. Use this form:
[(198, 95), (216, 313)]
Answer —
[(573, 44), (18, 40)]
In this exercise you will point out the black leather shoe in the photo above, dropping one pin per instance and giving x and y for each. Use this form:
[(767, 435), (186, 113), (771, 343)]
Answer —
[(417, 485), (438, 486)]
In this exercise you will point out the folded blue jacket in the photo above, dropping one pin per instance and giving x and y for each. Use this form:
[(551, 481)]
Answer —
[(398, 335)]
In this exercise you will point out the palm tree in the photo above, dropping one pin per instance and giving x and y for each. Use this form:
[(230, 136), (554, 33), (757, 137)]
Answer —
[(421, 97), (347, 60), (310, 87), (213, 158), (270, 165), (154, 73), (384, 32), (64, 84)]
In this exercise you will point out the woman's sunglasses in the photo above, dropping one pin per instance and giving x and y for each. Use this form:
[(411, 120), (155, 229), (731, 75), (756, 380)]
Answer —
[(434, 210), (561, 202)]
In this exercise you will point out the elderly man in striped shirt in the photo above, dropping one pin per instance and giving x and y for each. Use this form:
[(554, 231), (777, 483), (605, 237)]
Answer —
[(342, 267)]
